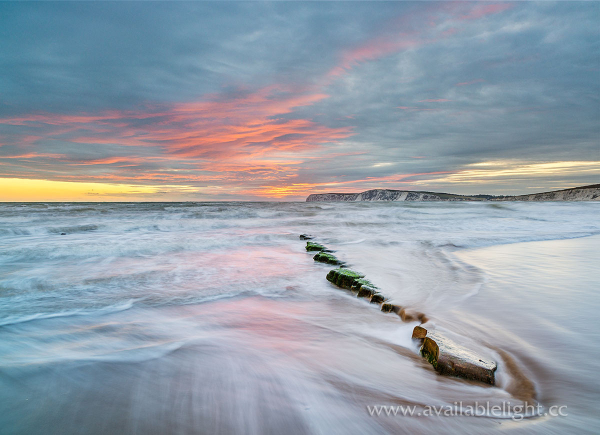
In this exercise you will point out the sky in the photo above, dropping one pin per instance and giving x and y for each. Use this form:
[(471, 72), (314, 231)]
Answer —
[(212, 101)]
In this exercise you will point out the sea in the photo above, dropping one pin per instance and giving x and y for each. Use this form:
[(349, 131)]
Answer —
[(212, 318)]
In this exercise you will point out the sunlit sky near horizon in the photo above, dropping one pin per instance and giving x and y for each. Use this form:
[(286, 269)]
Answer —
[(175, 101)]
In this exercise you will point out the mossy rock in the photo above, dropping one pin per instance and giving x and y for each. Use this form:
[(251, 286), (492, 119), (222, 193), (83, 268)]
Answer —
[(346, 278), (343, 278), (360, 282), (430, 356), (310, 246), (323, 257), (366, 291), (377, 299), (332, 275)]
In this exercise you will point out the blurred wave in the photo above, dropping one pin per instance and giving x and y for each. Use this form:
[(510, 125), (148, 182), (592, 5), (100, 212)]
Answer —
[(212, 317)]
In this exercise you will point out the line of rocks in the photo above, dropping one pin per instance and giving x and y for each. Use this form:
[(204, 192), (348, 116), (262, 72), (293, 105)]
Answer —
[(356, 282), (446, 356)]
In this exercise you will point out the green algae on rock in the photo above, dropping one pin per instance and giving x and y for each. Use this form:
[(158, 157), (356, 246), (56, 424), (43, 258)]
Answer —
[(358, 283), (452, 359), (343, 277), (346, 278), (310, 246), (332, 276), (324, 257)]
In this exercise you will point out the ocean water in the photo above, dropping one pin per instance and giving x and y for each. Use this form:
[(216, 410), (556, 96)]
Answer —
[(211, 318)]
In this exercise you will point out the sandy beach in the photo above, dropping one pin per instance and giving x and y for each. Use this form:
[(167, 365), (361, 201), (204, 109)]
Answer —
[(213, 318)]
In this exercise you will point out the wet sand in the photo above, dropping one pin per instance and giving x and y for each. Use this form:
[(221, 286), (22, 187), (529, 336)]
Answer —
[(234, 328)]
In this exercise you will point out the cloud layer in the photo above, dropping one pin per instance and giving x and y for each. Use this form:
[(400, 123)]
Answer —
[(210, 101)]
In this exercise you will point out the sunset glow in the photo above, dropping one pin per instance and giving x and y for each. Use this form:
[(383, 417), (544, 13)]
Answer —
[(257, 113), (21, 189)]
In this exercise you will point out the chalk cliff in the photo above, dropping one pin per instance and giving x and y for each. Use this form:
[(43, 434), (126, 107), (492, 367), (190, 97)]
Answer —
[(584, 193)]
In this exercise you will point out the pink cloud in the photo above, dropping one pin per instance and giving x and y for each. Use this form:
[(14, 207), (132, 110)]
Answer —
[(470, 82), (482, 10), (251, 136), (373, 49), (395, 41), (247, 130), (417, 109), (33, 156)]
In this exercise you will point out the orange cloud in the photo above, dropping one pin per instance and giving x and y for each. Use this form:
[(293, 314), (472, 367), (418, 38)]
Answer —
[(239, 127)]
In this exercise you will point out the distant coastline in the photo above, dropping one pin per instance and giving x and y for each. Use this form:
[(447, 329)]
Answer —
[(582, 193)]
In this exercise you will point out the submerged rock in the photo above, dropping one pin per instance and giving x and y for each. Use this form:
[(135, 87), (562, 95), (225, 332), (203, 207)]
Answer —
[(419, 332), (305, 237), (408, 315), (343, 278), (351, 280), (324, 257), (450, 358), (377, 298), (366, 291), (310, 246), (357, 284), (390, 308), (332, 275)]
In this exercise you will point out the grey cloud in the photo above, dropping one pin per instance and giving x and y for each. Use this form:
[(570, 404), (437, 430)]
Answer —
[(531, 74), (530, 96), (84, 56)]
